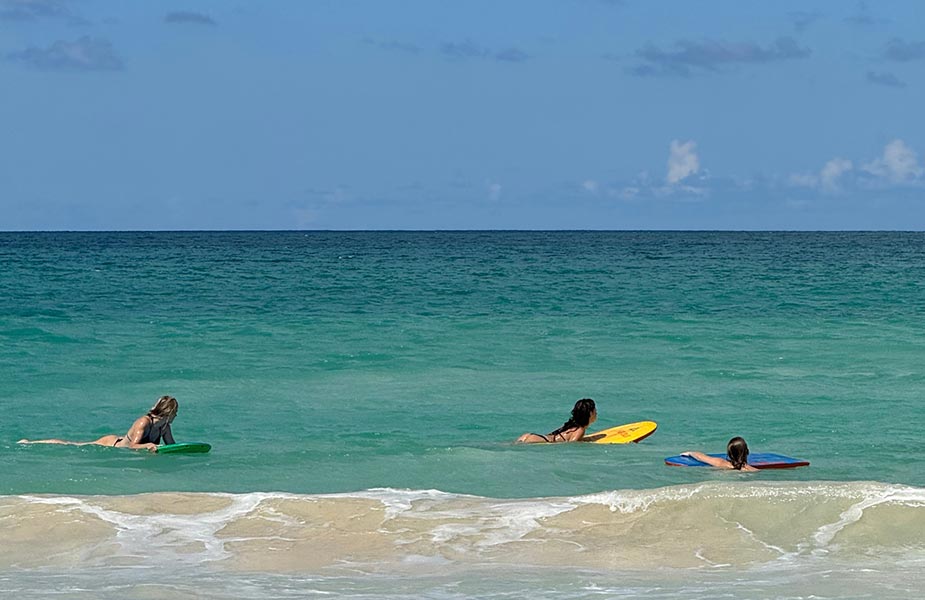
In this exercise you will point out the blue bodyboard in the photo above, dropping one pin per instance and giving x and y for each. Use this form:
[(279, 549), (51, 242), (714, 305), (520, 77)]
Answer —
[(759, 460)]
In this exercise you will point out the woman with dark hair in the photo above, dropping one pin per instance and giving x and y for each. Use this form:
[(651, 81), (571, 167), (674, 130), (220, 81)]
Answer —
[(736, 456), (146, 432), (583, 414)]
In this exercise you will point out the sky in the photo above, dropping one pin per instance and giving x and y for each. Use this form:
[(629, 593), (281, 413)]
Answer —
[(466, 114)]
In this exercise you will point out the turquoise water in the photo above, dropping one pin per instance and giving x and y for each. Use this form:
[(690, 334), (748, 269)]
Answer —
[(323, 363), (330, 362)]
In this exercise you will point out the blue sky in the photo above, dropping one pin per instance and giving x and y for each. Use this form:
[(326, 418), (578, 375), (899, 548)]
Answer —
[(431, 114)]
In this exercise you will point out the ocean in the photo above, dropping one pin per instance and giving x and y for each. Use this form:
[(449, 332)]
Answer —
[(362, 390)]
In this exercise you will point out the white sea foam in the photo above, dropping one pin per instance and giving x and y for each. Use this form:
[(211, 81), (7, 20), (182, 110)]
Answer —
[(710, 524), (144, 535), (631, 501), (901, 495), (398, 501)]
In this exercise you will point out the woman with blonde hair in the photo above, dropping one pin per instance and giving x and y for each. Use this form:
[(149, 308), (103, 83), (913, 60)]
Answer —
[(145, 433)]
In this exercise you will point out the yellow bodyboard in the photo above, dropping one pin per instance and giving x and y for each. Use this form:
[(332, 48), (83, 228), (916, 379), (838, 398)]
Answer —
[(623, 434)]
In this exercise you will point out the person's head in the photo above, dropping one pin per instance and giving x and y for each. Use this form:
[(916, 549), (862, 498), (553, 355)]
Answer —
[(165, 408), (737, 452), (584, 413)]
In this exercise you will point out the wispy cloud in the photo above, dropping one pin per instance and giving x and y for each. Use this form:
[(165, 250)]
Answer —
[(828, 179), (34, 10), (688, 56), (393, 46), (831, 173), (864, 18), (898, 164), (467, 49), (682, 161), (457, 51), (84, 54), (902, 51), (512, 55), (684, 179), (470, 50), (808, 180), (884, 78), (184, 17), (803, 20)]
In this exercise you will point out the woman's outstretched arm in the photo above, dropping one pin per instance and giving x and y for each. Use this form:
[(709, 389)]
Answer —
[(713, 461)]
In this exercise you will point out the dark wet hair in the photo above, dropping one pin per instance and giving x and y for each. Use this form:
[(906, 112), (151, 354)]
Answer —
[(581, 416), (737, 453)]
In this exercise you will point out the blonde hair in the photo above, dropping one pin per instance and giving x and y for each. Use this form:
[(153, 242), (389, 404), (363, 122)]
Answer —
[(166, 406)]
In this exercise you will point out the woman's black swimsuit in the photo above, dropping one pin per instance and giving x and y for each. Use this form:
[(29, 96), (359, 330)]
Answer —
[(551, 435)]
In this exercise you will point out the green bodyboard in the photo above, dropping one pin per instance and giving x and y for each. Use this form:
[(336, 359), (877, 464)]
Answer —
[(184, 448)]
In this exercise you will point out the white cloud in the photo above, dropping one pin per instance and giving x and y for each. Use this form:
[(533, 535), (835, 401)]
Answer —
[(628, 193), (680, 183), (803, 180), (899, 163), (590, 185), (682, 161), (832, 172), (494, 191), (84, 54), (688, 192), (828, 178)]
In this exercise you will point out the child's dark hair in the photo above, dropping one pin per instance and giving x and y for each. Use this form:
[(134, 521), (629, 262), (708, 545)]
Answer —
[(581, 416), (737, 453)]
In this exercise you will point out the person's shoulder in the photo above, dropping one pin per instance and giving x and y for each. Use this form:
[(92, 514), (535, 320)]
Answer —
[(143, 420), (576, 434)]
